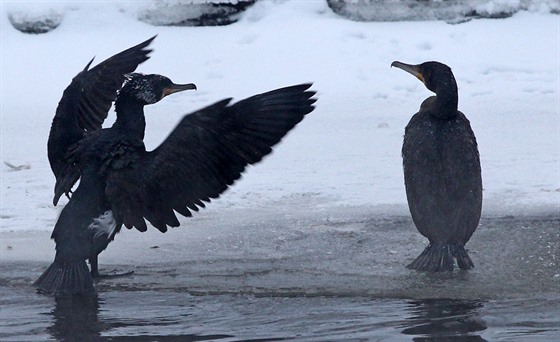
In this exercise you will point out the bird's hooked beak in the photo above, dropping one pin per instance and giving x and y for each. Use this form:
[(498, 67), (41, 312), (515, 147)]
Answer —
[(411, 69), (175, 88)]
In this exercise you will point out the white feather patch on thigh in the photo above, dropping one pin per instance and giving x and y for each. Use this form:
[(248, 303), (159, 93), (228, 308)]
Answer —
[(105, 224)]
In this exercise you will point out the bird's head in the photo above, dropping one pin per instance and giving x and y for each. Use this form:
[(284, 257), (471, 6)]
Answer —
[(149, 89), (432, 74)]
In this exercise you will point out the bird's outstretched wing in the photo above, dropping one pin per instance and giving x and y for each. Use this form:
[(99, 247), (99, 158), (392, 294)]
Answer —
[(203, 155), (84, 106)]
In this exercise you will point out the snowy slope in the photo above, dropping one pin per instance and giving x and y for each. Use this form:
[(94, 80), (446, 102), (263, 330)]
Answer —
[(346, 153)]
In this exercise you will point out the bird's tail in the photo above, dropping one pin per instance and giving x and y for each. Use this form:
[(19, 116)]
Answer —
[(64, 278), (463, 260), (441, 258)]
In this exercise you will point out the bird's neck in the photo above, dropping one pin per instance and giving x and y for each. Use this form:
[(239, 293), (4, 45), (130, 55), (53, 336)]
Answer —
[(447, 100), (130, 117)]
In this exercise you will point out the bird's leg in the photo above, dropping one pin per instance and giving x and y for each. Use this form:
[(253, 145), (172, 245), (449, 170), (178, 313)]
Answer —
[(94, 267), (95, 270)]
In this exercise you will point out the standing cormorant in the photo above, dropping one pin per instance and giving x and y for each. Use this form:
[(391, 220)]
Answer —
[(441, 172), (123, 184)]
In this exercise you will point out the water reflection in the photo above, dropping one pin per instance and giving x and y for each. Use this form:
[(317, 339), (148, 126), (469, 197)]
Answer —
[(442, 320), (76, 318)]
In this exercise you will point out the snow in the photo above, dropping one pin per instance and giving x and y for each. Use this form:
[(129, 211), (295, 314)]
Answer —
[(344, 154), (454, 11)]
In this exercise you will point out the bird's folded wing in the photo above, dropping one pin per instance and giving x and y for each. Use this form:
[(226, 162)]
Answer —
[(203, 155), (84, 106)]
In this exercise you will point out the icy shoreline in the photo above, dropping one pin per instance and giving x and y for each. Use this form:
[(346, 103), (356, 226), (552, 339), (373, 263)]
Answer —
[(341, 253)]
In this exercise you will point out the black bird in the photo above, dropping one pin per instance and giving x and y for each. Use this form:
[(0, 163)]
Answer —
[(123, 184), (441, 171)]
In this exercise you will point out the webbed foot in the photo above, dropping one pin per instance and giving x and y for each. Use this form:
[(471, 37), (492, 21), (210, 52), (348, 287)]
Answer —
[(112, 274)]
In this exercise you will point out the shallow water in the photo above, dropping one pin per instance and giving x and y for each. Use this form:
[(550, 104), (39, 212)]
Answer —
[(174, 316), (299, 277)]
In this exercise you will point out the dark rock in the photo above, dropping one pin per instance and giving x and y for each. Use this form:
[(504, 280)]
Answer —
[(453, 11), (211, 13), (35, 24)]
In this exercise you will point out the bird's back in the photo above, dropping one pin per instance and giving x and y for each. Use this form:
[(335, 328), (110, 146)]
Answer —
[(442, 177)]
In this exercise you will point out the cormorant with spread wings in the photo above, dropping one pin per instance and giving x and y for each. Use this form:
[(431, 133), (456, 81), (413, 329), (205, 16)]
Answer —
[(123, 184)]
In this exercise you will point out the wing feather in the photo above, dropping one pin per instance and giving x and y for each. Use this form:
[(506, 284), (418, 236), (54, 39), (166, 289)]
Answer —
[(203, 155), (84, 106)]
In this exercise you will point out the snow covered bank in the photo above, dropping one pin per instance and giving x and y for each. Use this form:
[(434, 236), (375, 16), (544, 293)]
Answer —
[(346, 153)]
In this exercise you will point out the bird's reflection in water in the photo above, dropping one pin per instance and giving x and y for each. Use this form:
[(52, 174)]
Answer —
[(76, 318), (441, 320)]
